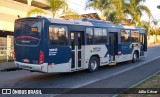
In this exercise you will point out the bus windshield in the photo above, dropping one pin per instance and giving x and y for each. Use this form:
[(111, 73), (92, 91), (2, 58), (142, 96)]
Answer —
[(27, 33)]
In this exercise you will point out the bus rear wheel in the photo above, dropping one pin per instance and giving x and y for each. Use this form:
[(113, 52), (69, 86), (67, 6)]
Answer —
[(93, 64), (135, 57)]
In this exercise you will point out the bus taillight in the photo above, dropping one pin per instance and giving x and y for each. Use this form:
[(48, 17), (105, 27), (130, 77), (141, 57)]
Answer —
[(41, 57), (14, 56)]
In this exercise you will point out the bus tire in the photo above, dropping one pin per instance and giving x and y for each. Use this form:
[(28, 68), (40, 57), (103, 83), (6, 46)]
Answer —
[(93, 64), (135, 57)]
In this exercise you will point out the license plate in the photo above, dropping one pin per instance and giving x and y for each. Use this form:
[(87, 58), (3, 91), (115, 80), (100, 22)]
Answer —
[(24, 66)]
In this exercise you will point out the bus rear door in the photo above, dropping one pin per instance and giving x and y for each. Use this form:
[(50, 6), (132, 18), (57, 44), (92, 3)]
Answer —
[(76, 46)]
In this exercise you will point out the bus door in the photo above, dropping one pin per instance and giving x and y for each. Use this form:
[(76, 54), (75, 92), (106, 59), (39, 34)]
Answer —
[(143, 43), (76, 46), (113, 41)]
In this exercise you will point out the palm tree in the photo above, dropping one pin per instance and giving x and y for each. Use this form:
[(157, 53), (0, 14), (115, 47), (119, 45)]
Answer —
[(56, 5), (147, 25), (135, 9), (36, 11), (112, 16), (156, 30), (100, 5), (113, 10), (69, 13), (116, 9)]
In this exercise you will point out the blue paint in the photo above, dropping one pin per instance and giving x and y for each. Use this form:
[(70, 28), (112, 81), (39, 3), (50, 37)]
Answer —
[(126, 48), (62, 55)]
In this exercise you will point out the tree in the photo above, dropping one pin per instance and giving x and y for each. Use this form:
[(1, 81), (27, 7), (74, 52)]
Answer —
[(155, 28), (113, 10), (36, 11), (112, 16), (116, 10), (147, 25), (56, 5), (135, 9), (100, 5), (69, 13)]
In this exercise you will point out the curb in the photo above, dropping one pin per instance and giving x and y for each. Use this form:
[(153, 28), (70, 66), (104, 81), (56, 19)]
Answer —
[(10, 69)]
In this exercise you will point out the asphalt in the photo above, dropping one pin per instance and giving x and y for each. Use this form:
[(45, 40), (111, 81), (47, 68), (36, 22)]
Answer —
[(121, 81)]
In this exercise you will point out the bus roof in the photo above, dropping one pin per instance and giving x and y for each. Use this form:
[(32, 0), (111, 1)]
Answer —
[(91, 22), (129, 27), (82, 22), (87, 22)]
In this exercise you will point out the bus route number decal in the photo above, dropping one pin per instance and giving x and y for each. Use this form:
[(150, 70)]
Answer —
[(53, 52)]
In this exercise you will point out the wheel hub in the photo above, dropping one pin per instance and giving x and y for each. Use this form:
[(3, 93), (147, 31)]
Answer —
[(94, 65)]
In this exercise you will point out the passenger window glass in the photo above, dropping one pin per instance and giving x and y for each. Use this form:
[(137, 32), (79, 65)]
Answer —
[(125, 34), (135, 36), (98, 35), (89, 35), (104, 37), (58, 35)]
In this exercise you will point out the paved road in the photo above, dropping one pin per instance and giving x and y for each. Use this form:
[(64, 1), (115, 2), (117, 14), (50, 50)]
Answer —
[(21, 79), (120, 82)]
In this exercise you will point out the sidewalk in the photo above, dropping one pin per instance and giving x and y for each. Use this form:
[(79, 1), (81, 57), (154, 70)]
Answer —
[(7, 65), (153, 44)]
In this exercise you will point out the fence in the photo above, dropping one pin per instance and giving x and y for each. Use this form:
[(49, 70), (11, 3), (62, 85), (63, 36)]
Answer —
[(6, 53), (6, 49), (153, 39)]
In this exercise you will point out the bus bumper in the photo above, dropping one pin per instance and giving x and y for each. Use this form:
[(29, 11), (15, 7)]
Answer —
[(32, 67)]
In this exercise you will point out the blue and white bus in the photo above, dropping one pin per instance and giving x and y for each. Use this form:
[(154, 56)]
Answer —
[(57, 45)]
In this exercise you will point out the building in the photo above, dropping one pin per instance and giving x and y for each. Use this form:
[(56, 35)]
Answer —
[(13, 9)]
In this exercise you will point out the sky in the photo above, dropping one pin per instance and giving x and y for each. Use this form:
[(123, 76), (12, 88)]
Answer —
[(79, 6)]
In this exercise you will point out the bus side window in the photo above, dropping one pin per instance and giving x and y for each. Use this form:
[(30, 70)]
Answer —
[(104, 37), (135, 36), (125, 34), (53, 34), (63, 37), (98, 35), (89, 35), (58, 35), (141, 38)]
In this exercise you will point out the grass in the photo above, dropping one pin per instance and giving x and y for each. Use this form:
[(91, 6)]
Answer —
[(151, 82)]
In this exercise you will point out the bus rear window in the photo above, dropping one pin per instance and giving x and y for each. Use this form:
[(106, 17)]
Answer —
[(28, 32)]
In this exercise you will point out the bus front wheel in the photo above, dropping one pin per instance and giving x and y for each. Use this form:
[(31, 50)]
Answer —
[(93, 64)]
